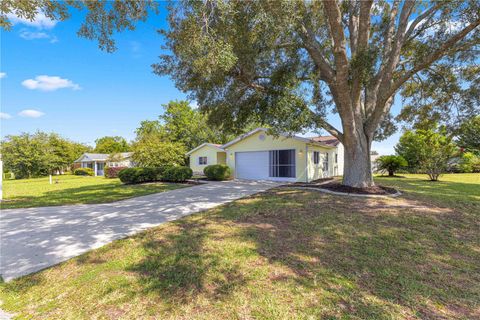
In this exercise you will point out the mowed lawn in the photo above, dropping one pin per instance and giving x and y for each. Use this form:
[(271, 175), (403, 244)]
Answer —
[(70, 189), (282, 254)]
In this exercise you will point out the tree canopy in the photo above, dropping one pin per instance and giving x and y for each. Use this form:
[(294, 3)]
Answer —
[(290, 63), (31, 155), (109, 145), (468, 135)]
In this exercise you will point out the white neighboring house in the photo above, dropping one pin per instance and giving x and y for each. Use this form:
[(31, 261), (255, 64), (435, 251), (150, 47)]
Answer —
[(257, 155), (97, 161)]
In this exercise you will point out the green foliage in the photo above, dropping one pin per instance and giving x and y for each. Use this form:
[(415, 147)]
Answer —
[(429, 150), (83, 172), (140, 175), (217, 172), (102, 18), (391, 164), (468, 136), (469, 162), (39, 154), (177, 174), (111, 145), (152, 151), (409, 147), (112, 172)]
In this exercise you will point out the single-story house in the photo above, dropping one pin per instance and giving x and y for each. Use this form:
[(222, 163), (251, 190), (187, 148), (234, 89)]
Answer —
[(97, 161), (258, 155)]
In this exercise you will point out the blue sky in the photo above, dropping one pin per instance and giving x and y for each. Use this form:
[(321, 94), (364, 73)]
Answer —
[(87, 93)]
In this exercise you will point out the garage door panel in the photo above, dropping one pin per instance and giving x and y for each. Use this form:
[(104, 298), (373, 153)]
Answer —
[(252, 165)]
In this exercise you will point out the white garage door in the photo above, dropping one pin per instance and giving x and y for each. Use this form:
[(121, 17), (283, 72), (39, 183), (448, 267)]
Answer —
[(252, 165)]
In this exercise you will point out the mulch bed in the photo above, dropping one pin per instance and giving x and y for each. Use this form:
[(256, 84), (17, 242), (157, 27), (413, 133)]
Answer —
[(338, 187)]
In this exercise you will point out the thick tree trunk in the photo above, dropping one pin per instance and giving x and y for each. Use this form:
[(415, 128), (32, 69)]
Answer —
[(357, 170)]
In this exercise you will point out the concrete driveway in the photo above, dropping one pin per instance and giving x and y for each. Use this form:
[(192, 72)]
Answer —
[(35, 238)]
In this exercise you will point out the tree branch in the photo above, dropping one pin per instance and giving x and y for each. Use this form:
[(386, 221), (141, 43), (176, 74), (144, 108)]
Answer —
[(427, 61), (315, 51), (322, 123)]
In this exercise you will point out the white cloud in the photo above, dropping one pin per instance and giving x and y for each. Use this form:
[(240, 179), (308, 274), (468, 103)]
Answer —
[(3, 75), (4, 115), (30, 113), (29, 35), (34, 35), (49, 83), (40, 21)]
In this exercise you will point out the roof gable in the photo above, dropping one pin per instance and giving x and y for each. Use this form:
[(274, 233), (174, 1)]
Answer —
[(251, 133), (217, 147)]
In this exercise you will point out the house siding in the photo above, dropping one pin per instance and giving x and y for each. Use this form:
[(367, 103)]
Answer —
[(212, 158), (255, 143), (315, 171)]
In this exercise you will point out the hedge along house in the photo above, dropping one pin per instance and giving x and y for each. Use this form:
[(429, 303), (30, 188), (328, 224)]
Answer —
[(204, 155), (98, 161), (257, 155)]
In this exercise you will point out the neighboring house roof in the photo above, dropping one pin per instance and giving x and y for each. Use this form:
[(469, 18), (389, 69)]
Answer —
[(101, 156), (329, 140), (248, 134), (213, 145)]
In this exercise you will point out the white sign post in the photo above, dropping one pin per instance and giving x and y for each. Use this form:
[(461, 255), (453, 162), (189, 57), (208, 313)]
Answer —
[(50, 179)]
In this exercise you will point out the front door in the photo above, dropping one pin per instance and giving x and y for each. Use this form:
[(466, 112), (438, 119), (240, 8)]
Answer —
[(100, 167)]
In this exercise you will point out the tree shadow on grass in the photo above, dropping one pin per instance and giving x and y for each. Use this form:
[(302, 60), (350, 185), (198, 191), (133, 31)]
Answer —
[(373, 258), (178, 267)]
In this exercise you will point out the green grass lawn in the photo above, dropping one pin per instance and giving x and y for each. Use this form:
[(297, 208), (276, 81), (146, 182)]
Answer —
[(282, 254), (70, 189)]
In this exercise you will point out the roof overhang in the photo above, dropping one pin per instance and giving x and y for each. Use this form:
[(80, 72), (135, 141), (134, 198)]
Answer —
[(285, 135), (219, 149)]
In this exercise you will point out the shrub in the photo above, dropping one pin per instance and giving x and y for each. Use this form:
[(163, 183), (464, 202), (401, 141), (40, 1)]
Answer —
[(391, 164), (112, 172), (83, 172), (217, 172), (469, 162), (177, 174), (139, 175)]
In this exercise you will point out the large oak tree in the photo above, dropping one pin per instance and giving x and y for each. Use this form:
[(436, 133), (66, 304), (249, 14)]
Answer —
[(289, 63)]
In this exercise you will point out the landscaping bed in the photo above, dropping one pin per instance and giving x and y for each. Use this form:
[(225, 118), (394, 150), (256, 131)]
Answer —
[(335, 185)]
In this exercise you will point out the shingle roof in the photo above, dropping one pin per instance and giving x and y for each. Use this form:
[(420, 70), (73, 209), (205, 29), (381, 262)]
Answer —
[(329, 140), (102, 156)]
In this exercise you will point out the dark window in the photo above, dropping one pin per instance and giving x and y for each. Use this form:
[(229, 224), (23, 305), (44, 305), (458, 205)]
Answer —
[(282, 163), (325, 162), (316, 157), (336, 157), (202, 160)]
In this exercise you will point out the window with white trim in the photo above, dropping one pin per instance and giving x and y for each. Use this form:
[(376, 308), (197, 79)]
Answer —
[(202, 160), (316, 157)]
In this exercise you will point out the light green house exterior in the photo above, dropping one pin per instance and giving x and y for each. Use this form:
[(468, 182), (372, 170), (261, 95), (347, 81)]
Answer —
[(257, 155)]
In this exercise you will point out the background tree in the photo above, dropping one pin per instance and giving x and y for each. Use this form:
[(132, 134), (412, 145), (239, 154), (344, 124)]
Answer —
[(391, 164), (111, 145), (31, 155), (289, 63), (409, 147), (156, 152), (188, 126), (431, 149), (468, 136)]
